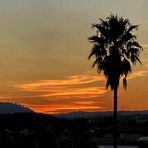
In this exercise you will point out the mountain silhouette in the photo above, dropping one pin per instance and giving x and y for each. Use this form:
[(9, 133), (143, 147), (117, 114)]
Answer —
[(89, 115), (11, 108)]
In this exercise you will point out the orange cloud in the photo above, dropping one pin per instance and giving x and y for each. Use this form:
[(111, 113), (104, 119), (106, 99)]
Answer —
[(75, 86), (78, 90), (68, 81), (136, 74), (85, 102), (57, 108)]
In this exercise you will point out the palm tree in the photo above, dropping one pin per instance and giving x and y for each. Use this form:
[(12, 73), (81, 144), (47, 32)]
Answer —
[(115, 49)]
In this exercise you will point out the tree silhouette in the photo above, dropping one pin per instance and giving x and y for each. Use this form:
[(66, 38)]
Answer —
[(115, 49)]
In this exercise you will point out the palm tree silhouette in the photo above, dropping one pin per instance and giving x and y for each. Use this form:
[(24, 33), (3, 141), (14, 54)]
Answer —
[(115, 49)]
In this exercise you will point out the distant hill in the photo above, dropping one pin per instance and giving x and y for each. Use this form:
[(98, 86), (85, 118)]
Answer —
[(10, 108), (81, 114)]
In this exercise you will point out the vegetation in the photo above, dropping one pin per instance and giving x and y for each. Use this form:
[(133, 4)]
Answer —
[(115, 49)]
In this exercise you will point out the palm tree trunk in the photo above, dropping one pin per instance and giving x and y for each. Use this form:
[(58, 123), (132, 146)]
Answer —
[(115, 136)]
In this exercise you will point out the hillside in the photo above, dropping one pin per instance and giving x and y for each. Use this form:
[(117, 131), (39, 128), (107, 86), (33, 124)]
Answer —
[(11, 108), (90, 115)]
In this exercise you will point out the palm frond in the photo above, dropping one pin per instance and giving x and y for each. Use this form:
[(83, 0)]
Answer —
[(104, 23), (126, 67), (132, 27), (127, 37), (107, 84), (124, 83), (135, 58), (133, 43), (101, 28), (115, 49), (97, 51), (96, 39)]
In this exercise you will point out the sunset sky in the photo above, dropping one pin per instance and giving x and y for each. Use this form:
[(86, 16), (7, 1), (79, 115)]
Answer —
[(44, 50)]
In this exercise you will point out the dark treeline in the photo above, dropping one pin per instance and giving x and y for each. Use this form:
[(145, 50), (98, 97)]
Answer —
[(40, 130)]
